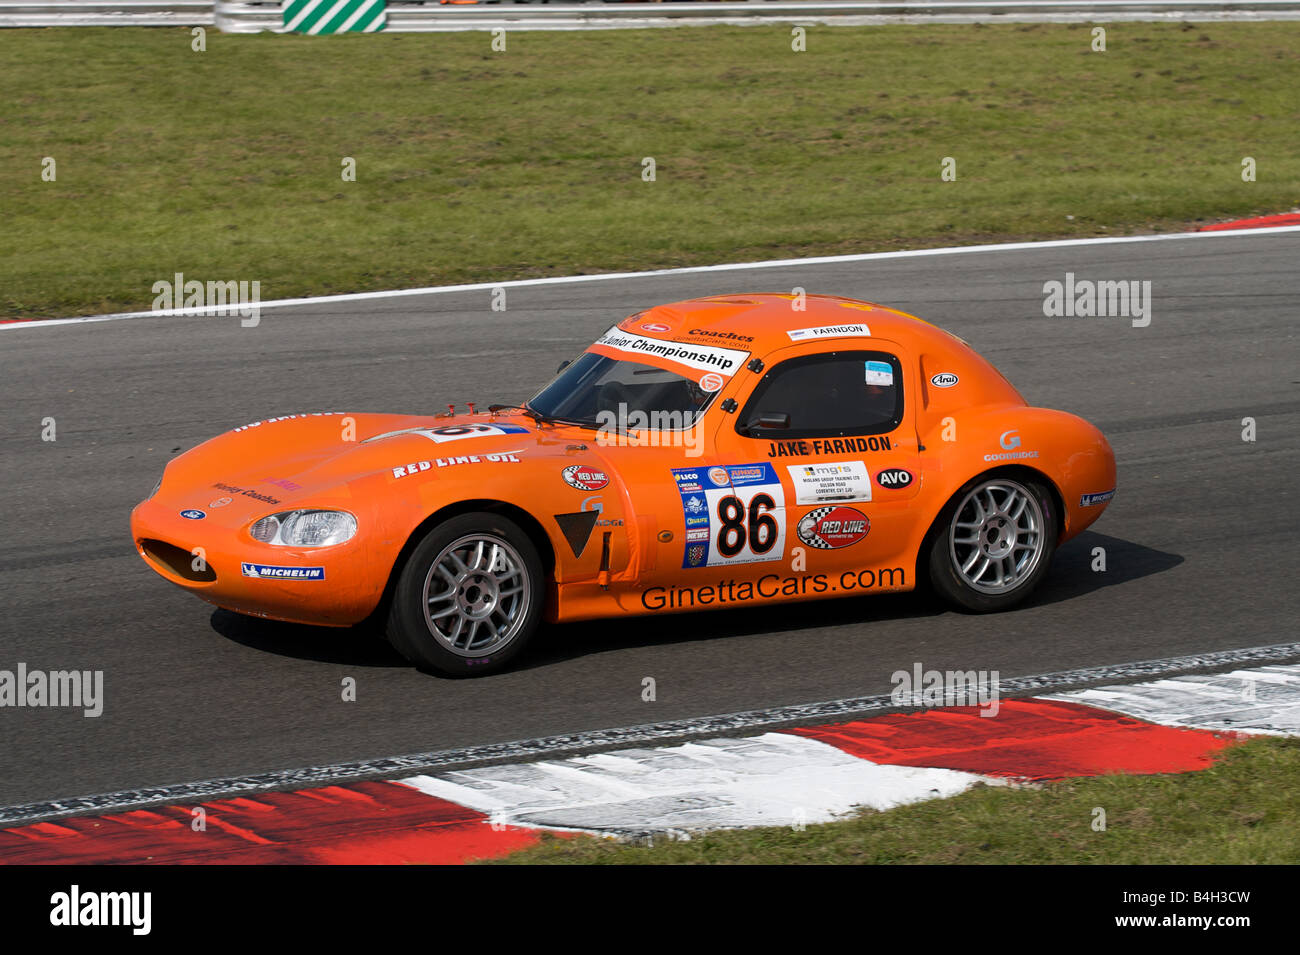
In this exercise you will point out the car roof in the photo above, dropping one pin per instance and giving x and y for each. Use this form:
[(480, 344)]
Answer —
[(761, 322)]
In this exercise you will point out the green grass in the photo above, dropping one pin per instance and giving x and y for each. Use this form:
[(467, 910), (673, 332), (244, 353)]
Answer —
[(1244, 809), (477, 166)]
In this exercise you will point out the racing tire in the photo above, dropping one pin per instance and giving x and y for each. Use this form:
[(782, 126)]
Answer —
[(993, 542), (469, 597)]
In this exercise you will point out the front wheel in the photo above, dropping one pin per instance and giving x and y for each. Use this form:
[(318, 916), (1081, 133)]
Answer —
[(469, 597), (993, 543)]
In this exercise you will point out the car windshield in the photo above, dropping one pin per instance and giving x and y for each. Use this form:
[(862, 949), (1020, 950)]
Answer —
[(601, 392)]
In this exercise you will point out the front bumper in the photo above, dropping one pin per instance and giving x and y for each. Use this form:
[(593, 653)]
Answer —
[(215, 558)]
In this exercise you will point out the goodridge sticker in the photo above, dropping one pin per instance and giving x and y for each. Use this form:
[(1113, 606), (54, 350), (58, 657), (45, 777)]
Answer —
[(733, 514), (833, 481)]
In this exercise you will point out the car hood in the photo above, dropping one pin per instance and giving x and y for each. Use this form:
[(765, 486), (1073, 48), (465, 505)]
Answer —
[(284, 460)]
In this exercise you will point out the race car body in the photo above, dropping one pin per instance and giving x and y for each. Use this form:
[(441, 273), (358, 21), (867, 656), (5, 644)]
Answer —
[(719, 452)]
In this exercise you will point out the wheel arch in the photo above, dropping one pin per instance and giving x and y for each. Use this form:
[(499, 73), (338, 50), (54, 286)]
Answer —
[(526, 521), (922, 569)]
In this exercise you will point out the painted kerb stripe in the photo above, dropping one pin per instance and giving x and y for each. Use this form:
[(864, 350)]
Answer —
[(315, 17), (582, 743)]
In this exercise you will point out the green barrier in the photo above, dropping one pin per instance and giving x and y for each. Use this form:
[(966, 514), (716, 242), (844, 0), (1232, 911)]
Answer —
[(334, 16)]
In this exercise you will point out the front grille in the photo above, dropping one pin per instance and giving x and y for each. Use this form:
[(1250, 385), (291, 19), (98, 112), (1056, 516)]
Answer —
[(176, 561)]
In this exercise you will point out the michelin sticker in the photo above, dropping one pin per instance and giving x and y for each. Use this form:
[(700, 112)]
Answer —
[(827, 483), (272, 572), (733, 514), (1099, 497), (857, 329)]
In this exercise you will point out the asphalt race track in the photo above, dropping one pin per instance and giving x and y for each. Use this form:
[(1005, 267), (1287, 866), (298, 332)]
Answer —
[(1200, 540)]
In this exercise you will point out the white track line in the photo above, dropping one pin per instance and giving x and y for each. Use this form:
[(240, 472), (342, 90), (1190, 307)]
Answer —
[(656, 273)]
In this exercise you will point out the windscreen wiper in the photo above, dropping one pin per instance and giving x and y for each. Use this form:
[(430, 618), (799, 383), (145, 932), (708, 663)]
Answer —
[(535, 415)]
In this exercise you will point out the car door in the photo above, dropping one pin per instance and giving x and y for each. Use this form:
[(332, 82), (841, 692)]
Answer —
[(833, 422)]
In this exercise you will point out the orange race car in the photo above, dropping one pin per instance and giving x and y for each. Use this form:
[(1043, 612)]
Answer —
[(718, 452)]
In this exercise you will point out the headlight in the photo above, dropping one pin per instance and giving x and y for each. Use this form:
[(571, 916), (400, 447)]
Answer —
[(305, 528), (155, 489)]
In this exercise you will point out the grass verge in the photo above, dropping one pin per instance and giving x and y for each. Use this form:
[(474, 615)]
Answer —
[(1244, 809), (477, 166)]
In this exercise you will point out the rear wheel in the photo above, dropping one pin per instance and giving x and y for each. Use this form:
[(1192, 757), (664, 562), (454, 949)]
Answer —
[(993, 543), (469, 597)]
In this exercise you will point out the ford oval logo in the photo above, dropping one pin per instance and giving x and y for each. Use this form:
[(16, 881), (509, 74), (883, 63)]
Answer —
[(192, 515), (944, 379)]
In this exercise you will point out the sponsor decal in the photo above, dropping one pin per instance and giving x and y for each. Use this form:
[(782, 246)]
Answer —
[(1009, 441), (453, 432), (659, 327), (584, 477), (286, 417), (786, 449), (246, 492), (944, 379), (1100, 497), (723, 361), (415, 467), (829, 528), (282, 483), (823, 483), (596, 503), (738, 518), (711, 382), (880, 373), (710, 333), (275, 572), (894, 478), (688, 480), (193, 514), (220, 502), (857, 329), (772, 586)]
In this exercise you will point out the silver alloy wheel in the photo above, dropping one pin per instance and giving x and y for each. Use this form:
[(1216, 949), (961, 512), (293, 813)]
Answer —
[(476, 595), (996, 536)]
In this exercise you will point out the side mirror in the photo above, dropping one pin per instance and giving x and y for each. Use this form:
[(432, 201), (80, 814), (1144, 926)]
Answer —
[(563, 365), (773, 421)]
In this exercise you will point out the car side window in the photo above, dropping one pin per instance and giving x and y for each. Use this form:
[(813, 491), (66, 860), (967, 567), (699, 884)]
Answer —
[(833, 394)]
